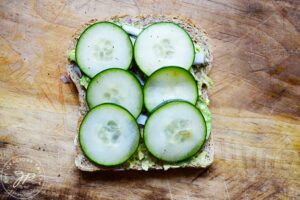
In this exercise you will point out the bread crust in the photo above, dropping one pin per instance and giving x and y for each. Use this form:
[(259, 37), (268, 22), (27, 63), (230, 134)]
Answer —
[(199, 37)]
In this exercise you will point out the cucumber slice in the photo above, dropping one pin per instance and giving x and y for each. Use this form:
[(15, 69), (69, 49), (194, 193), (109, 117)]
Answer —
[(109, 135), (175, 131), (163, 44), (116, 86), (101, 46), (167, 84)]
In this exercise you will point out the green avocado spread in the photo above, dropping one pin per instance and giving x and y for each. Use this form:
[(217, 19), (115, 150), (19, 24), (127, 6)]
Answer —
[(71, 55), (202, 106), (84, 81)]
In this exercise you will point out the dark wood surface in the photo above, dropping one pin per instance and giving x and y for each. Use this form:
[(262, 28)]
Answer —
[(255, 100)]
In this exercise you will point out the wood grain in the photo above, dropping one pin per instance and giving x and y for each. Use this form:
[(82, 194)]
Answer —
[(255, 100)]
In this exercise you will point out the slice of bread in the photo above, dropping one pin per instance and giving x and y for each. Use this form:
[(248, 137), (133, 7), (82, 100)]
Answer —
[(142, 160)]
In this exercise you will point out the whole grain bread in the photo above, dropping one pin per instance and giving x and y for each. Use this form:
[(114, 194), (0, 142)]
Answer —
[(143, 160)]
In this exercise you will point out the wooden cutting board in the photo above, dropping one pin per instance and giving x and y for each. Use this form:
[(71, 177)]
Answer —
[(255, 100)]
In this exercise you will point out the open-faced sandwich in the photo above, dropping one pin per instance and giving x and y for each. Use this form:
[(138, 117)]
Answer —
[(142, 84)]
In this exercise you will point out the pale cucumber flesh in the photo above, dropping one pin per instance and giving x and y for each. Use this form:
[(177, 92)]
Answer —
[(109, 135), (101, 46), (163, 44), (167, 84), (175, 131), (116, 86)]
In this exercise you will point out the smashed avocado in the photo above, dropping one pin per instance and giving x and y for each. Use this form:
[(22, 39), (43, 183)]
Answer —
[(71, 55), (201, 105), (84, 81)]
